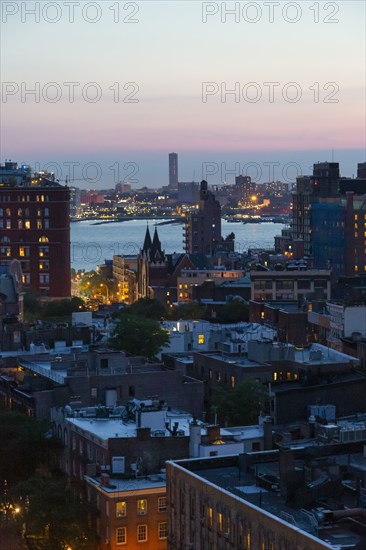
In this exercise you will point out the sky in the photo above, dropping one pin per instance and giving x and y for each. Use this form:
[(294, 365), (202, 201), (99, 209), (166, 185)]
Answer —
[(265, 90)]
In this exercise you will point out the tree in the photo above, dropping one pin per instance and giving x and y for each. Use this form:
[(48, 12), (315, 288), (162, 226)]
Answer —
[(23, 446), (54, 517), (234, 311), (241, 405), (138, 336), (60, 309), (191, 310), (149, 308)]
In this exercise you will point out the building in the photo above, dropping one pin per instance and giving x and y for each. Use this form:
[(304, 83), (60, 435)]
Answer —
[(244, 190), (35, 382), (173, 171), (215, 504), (203, 228), (338, 320), (191, 278), (35, 229), (131, 513), (11, 306), (291, 498), (125, 274), (295, 283)]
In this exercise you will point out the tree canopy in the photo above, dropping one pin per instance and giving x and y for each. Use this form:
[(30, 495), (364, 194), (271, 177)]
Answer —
[(138, 336), (52, 514), (149, 308), (241, 405), (23, 446)]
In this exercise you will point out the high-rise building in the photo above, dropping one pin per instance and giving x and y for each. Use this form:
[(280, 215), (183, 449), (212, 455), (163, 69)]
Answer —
[(203, 228), (173, 170), (35, 229)]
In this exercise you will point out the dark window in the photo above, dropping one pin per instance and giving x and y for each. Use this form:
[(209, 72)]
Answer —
[(104, 363), (131, 391)]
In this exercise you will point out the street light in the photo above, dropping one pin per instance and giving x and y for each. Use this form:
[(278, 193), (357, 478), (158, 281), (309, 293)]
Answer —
[(103, 284)]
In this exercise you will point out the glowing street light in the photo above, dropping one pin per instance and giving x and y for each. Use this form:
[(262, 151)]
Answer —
[(103, 284)]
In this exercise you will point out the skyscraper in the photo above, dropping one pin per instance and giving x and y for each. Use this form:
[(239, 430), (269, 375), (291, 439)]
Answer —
[(203, 228), (173, 170)]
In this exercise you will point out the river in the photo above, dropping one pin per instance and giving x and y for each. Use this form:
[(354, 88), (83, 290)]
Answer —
[(91, 244)]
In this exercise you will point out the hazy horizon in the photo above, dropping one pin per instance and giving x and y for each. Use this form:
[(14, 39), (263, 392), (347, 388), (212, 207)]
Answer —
[(126, 83)]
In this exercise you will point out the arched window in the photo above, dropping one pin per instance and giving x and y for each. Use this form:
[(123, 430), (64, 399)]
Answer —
[(26, 212), (20, 212), (7, 212), (43, 240)]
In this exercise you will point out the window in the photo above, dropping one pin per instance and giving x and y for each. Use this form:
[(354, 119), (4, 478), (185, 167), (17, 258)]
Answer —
[(210, 516), (27, 224), (121, 509), (163, 530), (24, 251), (142, 506), (232, 382), (141, 533), (201, 339), (161, 504), (44, 265), (121, 535), (43, 251), (39, 224), (219, 520), (43, 240)]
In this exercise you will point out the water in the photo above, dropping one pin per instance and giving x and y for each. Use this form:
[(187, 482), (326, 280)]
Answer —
[(92, 244)]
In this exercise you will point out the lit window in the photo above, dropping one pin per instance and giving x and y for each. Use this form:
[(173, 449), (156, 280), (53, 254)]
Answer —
[(141, 533), (356, 234), (210, 516), (163, 530), (356, 217), (43, 240), (201, 338), (288, 375), (219, 521), (142, 506), (27, 224), (233, 382), (262, 314), (275, 376), (121, 509), (356, 267), (20, 224), (39, 224), (121, 535), (162, 504)]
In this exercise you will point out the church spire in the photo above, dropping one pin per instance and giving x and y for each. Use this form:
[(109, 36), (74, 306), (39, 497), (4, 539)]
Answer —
[(147, 241)]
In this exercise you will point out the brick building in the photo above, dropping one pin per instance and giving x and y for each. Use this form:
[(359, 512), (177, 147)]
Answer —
[(35, 229)]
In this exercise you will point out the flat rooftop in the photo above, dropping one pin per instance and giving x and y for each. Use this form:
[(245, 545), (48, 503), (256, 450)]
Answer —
[(233, 480), (117, 485), (108, 428)]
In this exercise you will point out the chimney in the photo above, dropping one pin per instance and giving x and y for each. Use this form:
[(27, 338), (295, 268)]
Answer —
[(143, 434), (194, 440), (105, 479)]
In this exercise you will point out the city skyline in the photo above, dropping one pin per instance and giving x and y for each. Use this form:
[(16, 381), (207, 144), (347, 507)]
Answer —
[(177, 77)]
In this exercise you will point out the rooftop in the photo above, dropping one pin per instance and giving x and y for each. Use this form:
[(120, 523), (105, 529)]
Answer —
[(117, 485), (259, 486)]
